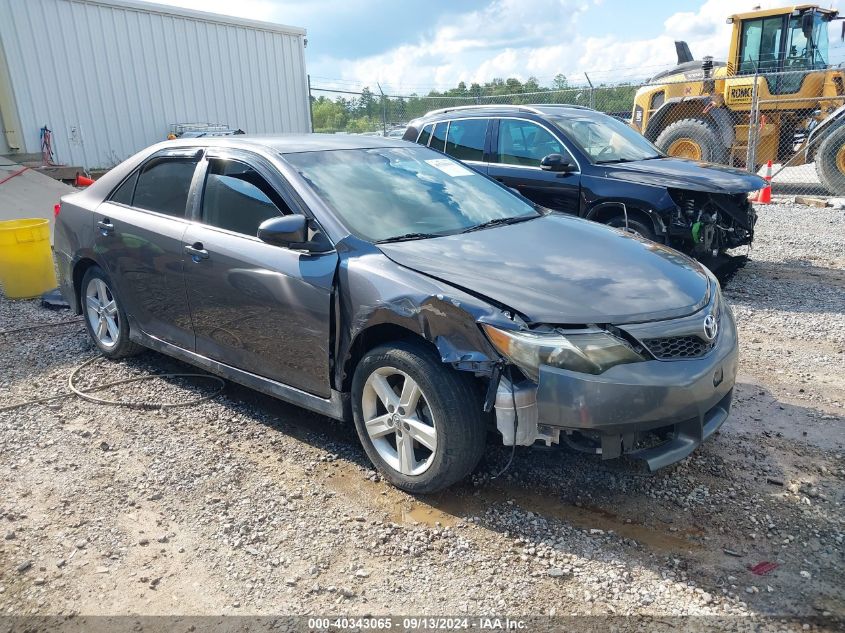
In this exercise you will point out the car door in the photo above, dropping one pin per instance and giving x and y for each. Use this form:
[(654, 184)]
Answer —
[(466, 140), (139, 231), (261, 308), (518, 147)]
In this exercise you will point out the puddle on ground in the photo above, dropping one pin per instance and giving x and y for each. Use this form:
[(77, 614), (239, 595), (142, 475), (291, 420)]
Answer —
[(454, 506)]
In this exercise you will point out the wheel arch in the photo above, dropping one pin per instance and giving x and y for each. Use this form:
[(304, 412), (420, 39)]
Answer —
[(80, 267), (370, 338), (606, 211)]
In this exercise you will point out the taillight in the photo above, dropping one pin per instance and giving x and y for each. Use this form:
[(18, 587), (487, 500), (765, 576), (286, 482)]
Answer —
[(56, 210)]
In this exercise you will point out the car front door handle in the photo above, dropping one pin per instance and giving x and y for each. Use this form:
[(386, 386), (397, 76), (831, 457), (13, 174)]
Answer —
[(105, 226), (196, 251)]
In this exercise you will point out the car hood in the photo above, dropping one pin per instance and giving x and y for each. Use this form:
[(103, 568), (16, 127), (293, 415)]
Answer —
[(680, 173), (559, 269)]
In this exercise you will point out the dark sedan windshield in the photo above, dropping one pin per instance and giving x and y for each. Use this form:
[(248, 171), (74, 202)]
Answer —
[(397, 192), (605, 139)]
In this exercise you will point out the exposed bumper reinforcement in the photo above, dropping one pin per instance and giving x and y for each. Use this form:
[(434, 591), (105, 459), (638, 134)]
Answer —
[(687, 436)]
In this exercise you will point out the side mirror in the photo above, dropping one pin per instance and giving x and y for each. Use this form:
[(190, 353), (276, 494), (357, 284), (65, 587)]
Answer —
[(287, 230), (556, 162), (807, 23)]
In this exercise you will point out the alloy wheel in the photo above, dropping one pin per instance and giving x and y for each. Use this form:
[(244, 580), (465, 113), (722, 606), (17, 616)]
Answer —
[(399, 421), (101, 309)]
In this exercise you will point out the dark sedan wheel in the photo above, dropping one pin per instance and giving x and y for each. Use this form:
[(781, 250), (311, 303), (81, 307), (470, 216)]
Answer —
[(419, 421), (635, 227), (105, 319)]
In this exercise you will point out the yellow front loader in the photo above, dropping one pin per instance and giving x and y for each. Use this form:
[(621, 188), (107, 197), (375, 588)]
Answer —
[(774, 99)]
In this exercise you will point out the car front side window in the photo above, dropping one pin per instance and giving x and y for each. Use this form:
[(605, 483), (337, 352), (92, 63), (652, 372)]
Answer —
[(237, 198), (524, 143)]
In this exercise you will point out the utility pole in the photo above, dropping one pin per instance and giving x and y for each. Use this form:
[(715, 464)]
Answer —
[(383, 110)]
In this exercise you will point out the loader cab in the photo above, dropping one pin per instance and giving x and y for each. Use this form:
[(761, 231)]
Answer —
[(781, 46)]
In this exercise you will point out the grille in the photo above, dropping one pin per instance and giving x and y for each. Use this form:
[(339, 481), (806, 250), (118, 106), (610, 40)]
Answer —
[(677, 347)]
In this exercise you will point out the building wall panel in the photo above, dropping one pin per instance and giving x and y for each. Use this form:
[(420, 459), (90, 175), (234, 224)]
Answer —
[(109, 77)]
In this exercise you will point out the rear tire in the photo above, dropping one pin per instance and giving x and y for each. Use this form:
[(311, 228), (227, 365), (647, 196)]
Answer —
[(693, 139), (105, 318), (830, 162), (445, 414)]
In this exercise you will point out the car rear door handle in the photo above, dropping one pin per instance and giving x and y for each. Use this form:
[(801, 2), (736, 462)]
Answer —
[(105, 226), (196, 251)]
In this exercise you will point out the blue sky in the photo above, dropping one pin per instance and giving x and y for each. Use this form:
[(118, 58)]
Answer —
[(415, 45)]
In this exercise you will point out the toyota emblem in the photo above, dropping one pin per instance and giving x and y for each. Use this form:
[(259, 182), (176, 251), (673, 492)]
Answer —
[(711, 327)]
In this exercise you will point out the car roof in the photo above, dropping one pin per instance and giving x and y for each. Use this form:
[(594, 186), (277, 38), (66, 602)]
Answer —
[(552, 109), (292, 143)]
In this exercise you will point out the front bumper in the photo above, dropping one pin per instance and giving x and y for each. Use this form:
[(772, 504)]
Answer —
[(690, 398)]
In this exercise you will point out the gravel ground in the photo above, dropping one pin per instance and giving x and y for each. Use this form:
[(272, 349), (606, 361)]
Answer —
[(246, 505)]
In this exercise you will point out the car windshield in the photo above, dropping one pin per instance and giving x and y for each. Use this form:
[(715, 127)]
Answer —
[(390, 193), (605, 139)]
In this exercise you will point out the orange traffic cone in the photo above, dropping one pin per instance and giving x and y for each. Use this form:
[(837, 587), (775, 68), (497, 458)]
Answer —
[(764, 196), (82, 181)]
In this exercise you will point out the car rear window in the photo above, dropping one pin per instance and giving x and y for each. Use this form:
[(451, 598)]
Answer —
[(163, 185)]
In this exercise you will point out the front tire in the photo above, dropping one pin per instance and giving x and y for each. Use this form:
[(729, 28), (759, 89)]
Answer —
[(830, 162), (419, 421), (105, 318), (693, 139), (634, 226)]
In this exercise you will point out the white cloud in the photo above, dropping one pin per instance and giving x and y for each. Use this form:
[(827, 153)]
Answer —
[(513, 38)]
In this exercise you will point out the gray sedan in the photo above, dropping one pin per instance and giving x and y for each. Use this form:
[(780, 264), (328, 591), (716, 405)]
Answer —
[(378, 281)]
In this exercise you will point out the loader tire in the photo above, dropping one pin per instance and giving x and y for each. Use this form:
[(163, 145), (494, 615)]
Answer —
[(693, 139), (830, 162)]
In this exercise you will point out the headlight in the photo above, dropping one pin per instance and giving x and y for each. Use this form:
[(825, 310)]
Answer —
[(590, 352)]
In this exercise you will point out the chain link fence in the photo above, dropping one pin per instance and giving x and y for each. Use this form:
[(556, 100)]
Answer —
[(791, 118)]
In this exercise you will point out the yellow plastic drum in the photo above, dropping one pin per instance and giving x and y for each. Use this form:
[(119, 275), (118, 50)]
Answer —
[(26, 261)]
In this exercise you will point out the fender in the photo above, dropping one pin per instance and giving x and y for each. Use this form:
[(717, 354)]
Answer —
[(66, 267), (378, 292)]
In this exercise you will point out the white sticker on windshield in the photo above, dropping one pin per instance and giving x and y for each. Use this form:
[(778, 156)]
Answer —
[(449, 167)]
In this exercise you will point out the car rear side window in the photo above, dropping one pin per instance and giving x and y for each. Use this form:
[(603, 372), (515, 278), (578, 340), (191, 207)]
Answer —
[(466, 139), (438, 139), (425, 135), (163, 185), (123, 194), (525, 143), (237, 198)]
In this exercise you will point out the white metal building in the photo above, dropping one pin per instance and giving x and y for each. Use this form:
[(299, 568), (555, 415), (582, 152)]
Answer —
[(110, 77)]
